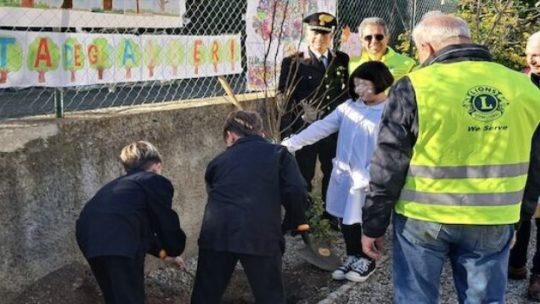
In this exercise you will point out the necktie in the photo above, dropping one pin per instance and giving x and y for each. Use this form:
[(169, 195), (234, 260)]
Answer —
[(324, 61)]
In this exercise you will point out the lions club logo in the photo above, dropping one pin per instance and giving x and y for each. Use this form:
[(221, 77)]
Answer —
[(485, 103)]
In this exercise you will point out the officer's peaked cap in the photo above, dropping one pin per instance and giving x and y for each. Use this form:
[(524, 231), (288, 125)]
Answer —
[(321, 22)]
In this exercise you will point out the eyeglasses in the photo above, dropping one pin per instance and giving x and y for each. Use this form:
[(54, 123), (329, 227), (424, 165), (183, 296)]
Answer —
[(378, 37)]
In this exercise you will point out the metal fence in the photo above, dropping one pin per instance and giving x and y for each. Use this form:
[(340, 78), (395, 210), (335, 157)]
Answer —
[(201, 17)]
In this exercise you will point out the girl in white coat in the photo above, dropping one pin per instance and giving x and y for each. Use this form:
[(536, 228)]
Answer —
[(357, 121)]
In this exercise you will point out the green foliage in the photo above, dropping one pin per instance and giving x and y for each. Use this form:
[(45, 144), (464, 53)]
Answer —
[(319, 227), (43, 55), (128, 46), (406, 45), (14, 56), (68, 59), (501, 25)]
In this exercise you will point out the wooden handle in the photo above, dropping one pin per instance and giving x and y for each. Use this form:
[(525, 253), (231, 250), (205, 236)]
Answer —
[(302, 228), (225, 84)]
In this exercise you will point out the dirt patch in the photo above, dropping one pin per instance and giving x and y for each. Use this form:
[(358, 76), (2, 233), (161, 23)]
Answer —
[(74, 284)]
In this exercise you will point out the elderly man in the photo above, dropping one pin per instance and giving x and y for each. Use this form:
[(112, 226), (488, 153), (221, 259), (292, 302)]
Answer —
[(375, 39), (517, 269), (533, 57), (452, 159), (314, 83)]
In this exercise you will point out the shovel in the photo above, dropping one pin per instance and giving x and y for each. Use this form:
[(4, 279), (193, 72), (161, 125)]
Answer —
[(316, 253)]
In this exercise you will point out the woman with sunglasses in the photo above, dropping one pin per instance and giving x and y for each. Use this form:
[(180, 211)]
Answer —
[(357, 121), (374, 35)]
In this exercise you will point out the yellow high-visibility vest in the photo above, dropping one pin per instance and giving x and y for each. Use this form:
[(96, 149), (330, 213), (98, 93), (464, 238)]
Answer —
[(470, 161), (398, 64)]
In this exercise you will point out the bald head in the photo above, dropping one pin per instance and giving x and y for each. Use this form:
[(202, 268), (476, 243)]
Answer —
[(438, 30), (533, 53)]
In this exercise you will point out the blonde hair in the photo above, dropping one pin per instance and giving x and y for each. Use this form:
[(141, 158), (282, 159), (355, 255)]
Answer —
[(139, 155)]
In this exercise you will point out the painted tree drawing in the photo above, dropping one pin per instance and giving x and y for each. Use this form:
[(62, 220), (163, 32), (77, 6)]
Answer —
[(11, 57), (128, 55), (73, 57), (175, 55), (231, 52), (43, 56), (215, 55), (100, 56), (152, 52), (199, 54)]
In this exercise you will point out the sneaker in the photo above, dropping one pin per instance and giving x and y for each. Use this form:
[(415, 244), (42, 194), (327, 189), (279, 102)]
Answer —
[(339, 274), (361, 270), (534, 288), (517, 273)]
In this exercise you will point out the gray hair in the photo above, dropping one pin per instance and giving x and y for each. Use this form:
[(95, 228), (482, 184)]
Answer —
[(533, 38), (372, 21), (437, 27)]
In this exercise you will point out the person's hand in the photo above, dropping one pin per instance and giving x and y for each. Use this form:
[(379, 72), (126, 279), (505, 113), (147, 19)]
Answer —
[(310, 113), (373, 247), (176, 261)]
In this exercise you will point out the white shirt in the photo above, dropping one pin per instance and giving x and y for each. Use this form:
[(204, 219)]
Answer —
[(357, 124)]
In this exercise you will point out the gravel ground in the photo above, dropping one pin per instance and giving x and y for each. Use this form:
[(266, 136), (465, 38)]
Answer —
[(378, 288), (304, 284)]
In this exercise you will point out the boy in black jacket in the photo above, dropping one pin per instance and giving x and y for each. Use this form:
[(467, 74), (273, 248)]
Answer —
[(127, 218), (247, 184)]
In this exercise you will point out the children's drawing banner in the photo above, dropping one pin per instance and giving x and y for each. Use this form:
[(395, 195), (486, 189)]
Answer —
[(70, 59), (93, 13)]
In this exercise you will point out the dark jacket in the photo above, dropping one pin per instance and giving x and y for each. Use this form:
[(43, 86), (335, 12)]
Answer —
[(303, 77), (129, 216), (397, 136), (247, 184), (535, 79)]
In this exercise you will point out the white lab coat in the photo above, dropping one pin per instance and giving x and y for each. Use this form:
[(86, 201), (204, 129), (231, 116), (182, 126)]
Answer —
[(357, 124)]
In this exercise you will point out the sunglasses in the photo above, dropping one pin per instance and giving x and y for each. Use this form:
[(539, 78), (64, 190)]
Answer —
[(378, 37)]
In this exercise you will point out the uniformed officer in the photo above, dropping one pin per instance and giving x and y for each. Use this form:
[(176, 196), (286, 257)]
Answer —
[(313, 83)]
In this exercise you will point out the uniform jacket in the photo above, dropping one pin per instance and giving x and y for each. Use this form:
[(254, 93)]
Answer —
[(129, 216), (247, 185), (397, 136), (303, 77)]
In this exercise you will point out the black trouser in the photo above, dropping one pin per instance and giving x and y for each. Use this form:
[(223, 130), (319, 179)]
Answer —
[(121, 279), (215, 268), (307, 158), (518, 254), (353, 239)]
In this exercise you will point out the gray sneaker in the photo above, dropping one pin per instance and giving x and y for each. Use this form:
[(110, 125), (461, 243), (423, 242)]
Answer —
[(361, 270), (339, 274)]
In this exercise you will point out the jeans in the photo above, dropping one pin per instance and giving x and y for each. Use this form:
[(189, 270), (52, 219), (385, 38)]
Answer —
[(478, 255)]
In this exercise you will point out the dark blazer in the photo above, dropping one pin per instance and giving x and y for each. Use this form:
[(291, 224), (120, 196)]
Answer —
[(303, 77), (129, 216), (247, 184)]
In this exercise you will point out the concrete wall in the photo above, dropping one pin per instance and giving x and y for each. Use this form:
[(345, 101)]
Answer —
[(49, 168)]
